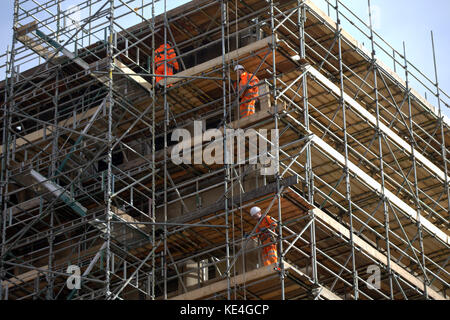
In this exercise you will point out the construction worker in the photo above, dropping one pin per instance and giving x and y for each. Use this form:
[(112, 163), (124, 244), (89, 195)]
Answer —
[(269, 254), (165, 57), (248, 91)]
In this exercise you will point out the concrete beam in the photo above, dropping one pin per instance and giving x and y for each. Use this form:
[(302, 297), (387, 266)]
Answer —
[(247, 278)]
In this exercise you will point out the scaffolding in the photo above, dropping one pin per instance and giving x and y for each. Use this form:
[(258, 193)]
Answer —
[(360, 187)]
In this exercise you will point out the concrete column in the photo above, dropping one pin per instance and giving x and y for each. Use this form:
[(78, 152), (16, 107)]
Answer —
[(264, 100), (250, 258), (190, 275)]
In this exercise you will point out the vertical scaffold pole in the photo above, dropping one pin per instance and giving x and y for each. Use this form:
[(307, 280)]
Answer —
[(346, 170), (309, 175), (153, 203), (223, 14), (413, 158), (7, 106), (277, 151), (4, 176), (166, 125), (380, 153), (7, 139), (110, 143), (54, 166), (441, 122)]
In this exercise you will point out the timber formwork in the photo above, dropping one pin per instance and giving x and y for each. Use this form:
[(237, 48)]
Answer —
[(360, 189)]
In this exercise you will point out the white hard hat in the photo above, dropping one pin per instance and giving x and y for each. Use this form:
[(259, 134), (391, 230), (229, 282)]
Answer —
[(254, 211), (238, 67)]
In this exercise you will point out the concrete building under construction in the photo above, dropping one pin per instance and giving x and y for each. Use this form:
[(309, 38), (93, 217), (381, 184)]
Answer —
[(360, 182)]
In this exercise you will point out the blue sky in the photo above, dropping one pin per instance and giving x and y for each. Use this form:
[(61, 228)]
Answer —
[(396, 21)]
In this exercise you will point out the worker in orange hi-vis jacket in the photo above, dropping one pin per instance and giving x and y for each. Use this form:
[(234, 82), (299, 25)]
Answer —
[(248, 91), (269, 254), (165, 57)]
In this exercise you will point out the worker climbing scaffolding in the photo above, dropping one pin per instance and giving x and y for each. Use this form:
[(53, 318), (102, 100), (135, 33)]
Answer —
[(265, 234), (165, 63), (247, 91)]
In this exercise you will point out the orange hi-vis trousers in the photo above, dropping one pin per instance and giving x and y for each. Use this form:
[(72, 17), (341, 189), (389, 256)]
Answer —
[(160, 70), (269, 254), (247, 109)]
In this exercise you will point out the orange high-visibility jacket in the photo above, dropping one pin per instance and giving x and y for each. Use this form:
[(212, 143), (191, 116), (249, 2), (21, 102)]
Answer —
[(247, 106), (266, 224), (160, 57)]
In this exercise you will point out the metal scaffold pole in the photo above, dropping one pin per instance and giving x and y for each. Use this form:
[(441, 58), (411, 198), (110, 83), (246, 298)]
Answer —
[(51, 256), (412, 140), (223, 19), (419, 233), (380, 137), (276, 156), (152, 206), (3, 182), (166, 126), (346, 154), (441, 123), (92, 178), (309, 173), (110, 182), (8, 106)]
